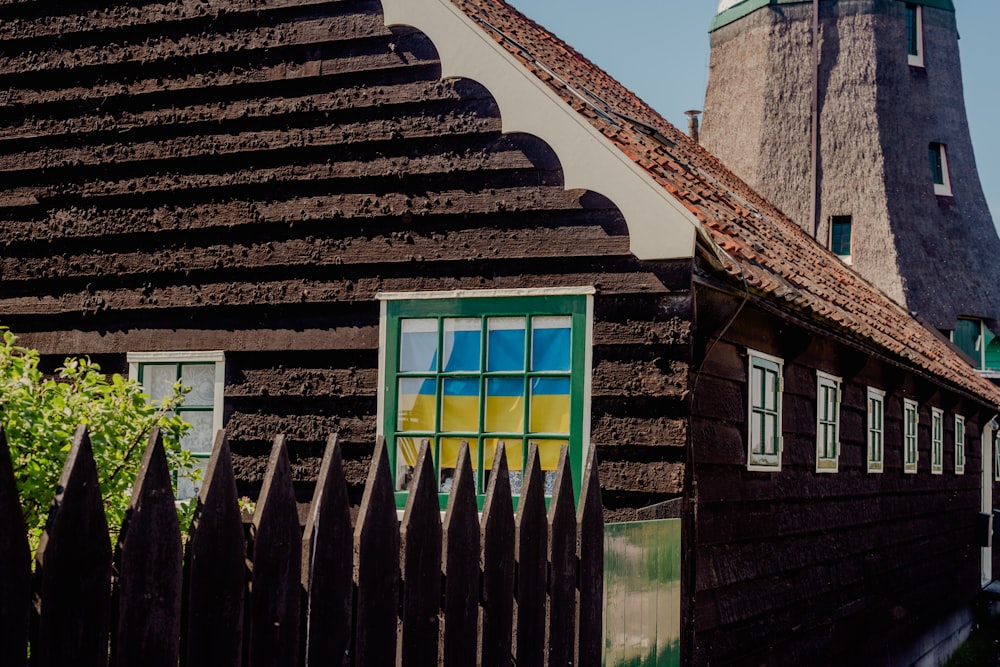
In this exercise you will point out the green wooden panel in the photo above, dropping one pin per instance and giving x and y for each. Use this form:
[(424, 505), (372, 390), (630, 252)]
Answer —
[(642, 593)]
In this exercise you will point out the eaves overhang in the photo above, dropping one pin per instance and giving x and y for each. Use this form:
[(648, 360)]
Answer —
[(659, 226)]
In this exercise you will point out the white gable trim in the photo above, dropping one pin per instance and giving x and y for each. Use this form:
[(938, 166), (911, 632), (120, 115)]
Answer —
[(659, 226)]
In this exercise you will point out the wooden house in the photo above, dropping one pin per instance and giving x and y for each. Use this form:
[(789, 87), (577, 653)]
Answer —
[(432, 219)]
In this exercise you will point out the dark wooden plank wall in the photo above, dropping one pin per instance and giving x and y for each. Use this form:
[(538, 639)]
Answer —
[(245, 175), (796, 567)]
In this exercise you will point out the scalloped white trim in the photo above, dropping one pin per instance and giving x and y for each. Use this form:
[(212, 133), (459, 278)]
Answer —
[(659, 226)]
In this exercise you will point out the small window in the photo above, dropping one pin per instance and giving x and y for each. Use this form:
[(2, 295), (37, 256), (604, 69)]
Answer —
[(485, 368), (827, 422), (876, 429), (938, 155), (937, 441), (915, 34), (840, 237), (910, 452), (968, 336), (764, 395), (204, 372), (959, 445)]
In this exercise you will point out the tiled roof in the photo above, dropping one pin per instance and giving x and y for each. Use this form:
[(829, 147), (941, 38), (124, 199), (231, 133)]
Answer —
[(761, 245)]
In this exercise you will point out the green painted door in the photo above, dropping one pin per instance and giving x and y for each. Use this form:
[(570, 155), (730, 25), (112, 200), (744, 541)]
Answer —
[(642, 593)]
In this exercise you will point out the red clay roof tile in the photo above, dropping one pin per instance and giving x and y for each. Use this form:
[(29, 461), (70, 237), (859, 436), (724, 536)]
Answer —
[(773, 254)]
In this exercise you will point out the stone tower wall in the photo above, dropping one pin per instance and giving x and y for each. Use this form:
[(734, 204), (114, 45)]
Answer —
[(877, 115)]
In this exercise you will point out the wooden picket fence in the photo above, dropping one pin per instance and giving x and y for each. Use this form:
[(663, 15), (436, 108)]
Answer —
[(496, 590)]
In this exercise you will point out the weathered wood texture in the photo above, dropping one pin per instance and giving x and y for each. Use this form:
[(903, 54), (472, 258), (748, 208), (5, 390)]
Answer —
[(800, 567), (245, 176), (159, 614)]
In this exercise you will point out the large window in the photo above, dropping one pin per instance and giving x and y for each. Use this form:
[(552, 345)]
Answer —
[(937, 441), (764, 396), (204, 373), (959, 445), (911, 453), (876, 429), (483, 368), (914, 34), (938, 156), (827, 422)]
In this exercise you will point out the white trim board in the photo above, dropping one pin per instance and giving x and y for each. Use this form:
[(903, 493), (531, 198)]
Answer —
[(659, 226)]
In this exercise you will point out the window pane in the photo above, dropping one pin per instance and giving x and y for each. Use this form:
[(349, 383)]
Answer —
[(460, 404), (188, 489), (418, 340), (407, 450), (449, 460), (415, 411), (505, 346), (514, 449), (550, 343), (548, 457), (201, 379), (770, 389), (550, 405), (505, 405), (937, 167), (461, 344), (158, 380), (756, 386), (840, 235), (199, 437)]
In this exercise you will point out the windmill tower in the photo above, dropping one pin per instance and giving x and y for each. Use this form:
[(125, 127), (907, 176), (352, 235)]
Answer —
[(868, 150)]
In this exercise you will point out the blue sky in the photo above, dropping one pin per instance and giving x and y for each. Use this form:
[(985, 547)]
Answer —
[(659, 50)]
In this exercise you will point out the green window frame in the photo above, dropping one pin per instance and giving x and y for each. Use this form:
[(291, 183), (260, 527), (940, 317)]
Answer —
[(828, 397), (937, 441), (483, 368), (911, 452), (202, 407), (876, 430), (938, 155), (959, 445), (914, 34), (840, 236), (764, 398)]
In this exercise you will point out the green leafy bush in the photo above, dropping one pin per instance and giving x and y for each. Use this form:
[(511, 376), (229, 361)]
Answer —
[(40, 413)]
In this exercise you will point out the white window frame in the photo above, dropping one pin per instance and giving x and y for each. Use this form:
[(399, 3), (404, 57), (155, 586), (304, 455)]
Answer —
[(763, 461), (959, 437), (943, 189), (917, 59), (937, 441), (218, 357), (996, 455), (875, 434), (911, 438), (826, 383)]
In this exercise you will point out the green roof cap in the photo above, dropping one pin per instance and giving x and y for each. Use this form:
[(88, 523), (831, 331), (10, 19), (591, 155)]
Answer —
[(741, 9)]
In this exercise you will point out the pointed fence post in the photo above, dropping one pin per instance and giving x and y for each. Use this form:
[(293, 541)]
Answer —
[(327, 555), (420, 540), (461, 567), (149, 558), (277, 562), (376, 563), (590, 552), (532, 561), (15, 567), (497, 528), (562, 566), (73, 571), (215, 570)]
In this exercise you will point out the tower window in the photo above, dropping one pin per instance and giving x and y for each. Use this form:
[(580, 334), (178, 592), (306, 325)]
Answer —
[(968, 336), (840, 237), (914, 34), (938, 155)]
